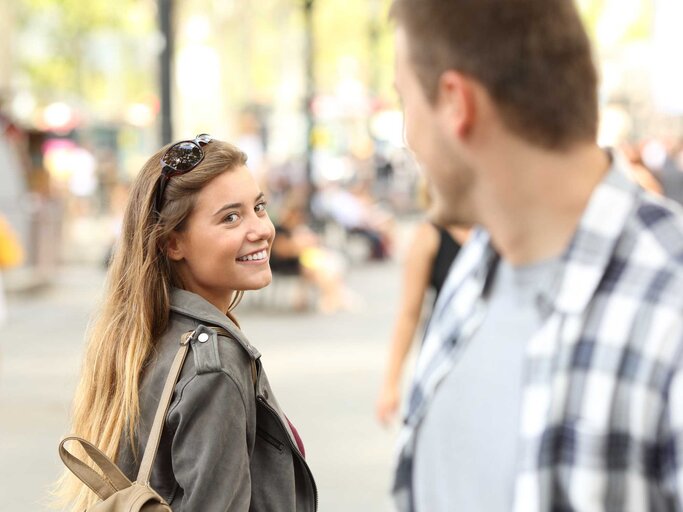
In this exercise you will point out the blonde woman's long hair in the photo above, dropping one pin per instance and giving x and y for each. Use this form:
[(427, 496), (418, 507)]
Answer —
[(135, 309)]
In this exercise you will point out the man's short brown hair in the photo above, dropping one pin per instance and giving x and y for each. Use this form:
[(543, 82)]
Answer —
[(533, 57)]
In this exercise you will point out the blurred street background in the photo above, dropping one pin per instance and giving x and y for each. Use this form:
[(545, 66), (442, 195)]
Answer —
[(89, 90)]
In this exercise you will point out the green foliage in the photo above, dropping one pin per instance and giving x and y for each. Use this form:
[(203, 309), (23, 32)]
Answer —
[(67, 29), (593, 13), (78, 16), (591, 10), (642, 28), (344, 28)]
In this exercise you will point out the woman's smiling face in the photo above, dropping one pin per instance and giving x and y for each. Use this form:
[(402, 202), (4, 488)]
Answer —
[(225, 244)]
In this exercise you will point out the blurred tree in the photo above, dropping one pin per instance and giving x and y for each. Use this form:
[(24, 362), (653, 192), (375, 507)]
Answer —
[(262, 47), (345, 28), (89, 52), (614, 23)]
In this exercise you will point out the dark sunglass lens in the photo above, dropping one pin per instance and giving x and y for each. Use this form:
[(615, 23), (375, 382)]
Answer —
[(183, 156)]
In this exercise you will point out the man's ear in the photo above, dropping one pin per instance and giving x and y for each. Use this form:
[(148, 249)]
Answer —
[(457, 102), (174, 247)]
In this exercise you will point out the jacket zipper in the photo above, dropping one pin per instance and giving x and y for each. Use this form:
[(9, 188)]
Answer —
[(295, 449)]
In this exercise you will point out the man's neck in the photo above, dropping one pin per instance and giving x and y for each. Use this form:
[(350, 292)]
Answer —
[(532, 200)]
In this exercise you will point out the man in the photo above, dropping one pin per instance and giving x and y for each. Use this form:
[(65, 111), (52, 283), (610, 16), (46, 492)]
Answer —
[(550, 377)]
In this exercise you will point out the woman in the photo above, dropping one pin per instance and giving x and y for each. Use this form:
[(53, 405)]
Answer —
[(195, 236), (429, 258), (431, 252)]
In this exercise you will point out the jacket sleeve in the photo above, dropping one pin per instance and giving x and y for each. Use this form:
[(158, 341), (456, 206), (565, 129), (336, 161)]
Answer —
[(209, 451)]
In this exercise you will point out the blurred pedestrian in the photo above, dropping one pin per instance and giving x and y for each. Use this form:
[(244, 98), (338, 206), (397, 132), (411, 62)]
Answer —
[(550, 376), (11, 255), (195, 236), (639, 172), (670, 169), (431, 251), (359, 214), (297, 250), (430, 254)]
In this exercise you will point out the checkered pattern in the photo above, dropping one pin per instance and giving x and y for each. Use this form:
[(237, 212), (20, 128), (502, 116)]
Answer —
[(601, 425)]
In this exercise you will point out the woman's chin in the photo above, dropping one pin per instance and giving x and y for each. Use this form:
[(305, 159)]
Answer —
[(260, 283)]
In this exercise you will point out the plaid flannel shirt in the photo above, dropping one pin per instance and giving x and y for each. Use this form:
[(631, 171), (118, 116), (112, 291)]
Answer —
[(601, 420)]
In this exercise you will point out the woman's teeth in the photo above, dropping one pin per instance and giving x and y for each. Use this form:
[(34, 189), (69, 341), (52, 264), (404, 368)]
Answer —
[(256, 256)]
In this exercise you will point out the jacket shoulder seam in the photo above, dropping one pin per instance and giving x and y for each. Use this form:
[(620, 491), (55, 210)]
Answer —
[(177, 402), (239, 388)]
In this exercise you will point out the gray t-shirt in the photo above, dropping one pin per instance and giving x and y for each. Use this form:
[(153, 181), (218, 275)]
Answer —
[(465, 458)]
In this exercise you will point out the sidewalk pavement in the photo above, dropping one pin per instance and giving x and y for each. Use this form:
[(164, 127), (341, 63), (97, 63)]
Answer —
[(325, 370)]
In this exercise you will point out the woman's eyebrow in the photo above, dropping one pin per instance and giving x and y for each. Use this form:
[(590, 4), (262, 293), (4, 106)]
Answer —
[(233, 206), (230, 206)]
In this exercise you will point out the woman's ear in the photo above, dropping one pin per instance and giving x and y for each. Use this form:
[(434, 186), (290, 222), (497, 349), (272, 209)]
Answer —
[(174, 247)]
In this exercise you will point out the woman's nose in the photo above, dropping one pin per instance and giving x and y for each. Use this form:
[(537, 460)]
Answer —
[(261, 228)]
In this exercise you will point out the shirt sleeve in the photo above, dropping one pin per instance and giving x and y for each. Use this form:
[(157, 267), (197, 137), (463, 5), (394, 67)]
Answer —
[(209, 450), (671, 449)]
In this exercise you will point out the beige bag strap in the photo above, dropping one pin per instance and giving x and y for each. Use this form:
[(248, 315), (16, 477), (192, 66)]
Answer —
[(165, 401), (113, 479), (160, 416), (104, 486)]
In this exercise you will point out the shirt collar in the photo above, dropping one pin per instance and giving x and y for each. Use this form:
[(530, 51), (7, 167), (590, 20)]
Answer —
[(591, 249), (585, 260)]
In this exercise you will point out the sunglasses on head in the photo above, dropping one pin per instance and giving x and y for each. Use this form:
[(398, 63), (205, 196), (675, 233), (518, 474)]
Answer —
[(179, 159)]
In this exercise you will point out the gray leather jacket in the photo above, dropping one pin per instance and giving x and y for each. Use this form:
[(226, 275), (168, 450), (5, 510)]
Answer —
[(226, 444)]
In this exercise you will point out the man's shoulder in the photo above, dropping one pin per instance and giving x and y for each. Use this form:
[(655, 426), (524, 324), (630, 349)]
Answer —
[(653, 213), (648, 258), (656, 232)]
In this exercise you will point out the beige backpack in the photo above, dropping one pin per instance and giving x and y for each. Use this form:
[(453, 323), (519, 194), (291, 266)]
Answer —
[(118, 494)]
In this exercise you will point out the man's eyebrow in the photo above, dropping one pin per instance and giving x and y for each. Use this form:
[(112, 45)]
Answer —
[(237, 206)]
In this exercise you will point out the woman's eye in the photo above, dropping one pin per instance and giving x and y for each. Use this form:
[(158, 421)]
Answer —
[(233, 217), (261, 207)]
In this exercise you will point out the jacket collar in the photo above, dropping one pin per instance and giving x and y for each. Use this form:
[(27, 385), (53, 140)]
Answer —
[(193, 306)]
